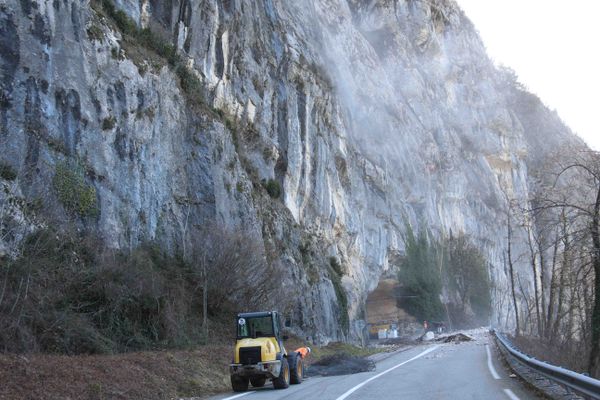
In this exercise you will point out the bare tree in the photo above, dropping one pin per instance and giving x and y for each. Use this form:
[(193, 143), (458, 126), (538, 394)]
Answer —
[(511, 271), (234, 268), (533, 257), (576, 190)]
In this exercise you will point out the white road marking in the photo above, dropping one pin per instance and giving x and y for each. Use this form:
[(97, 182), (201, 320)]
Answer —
[(511, 395), (237, 395), (490, 366), (355, 388)]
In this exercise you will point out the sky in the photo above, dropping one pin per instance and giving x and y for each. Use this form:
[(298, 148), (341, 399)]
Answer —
[(553, 45)]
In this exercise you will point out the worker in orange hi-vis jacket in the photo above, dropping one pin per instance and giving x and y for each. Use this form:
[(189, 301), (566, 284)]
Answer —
[(303, 351)]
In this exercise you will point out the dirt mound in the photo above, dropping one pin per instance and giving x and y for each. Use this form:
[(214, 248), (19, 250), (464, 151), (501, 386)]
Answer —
[(340, 364), (403, 341), (457, 338)]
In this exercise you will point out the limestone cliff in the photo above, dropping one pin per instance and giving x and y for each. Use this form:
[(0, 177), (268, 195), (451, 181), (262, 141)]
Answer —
[(367, 114)]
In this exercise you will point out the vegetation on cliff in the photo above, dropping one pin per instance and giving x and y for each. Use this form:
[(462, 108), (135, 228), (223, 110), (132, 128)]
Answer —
[(455, 263), (67, 293)]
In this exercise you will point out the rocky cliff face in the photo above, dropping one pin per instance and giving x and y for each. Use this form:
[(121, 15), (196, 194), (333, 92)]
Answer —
[(369, 115)]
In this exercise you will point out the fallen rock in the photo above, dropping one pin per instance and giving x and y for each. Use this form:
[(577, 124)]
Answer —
[(457, 338), (340, 364)]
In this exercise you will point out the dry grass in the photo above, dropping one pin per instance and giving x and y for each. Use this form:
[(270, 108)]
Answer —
[(567, 355), (144, 375)]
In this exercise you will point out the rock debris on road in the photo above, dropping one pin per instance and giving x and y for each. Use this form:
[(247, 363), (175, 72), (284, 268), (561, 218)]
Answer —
[(455, 370)]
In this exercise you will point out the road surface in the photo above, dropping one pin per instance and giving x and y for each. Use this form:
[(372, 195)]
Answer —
[(427, 372)]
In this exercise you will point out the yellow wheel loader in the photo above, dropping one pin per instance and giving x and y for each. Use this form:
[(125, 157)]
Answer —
[(260, 355)]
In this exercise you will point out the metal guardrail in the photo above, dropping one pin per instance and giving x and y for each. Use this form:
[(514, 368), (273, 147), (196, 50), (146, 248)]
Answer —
[(579, 383)]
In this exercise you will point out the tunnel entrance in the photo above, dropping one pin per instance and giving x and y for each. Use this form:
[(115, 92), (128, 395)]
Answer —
[(385, 319)]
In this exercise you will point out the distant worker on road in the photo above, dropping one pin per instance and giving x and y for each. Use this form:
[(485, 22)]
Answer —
[(303, 351)]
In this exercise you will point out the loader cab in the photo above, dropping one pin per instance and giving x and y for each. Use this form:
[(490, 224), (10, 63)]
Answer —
[(258, 324)]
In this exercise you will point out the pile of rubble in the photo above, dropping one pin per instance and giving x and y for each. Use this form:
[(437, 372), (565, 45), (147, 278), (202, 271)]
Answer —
[(340, 364)]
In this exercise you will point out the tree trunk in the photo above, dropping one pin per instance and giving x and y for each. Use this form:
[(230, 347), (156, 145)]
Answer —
[(562, 284), (529, 309), (571, 308), (551, 300), (588, 303), (581, 304), (512, 276), (533, 259), (594, 364), (441, 265), (205, 301), (542, 291)]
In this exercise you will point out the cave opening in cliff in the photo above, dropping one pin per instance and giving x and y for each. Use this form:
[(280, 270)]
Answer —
[(385, 318)]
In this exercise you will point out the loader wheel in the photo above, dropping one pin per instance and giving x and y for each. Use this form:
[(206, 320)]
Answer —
[(283, 380), (258, 382), (296, 368), (238, 383)]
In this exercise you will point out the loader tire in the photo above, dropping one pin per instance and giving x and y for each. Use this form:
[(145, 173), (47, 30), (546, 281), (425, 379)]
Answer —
[(283, 380), (238, 383), (296, 368), (258, 382)]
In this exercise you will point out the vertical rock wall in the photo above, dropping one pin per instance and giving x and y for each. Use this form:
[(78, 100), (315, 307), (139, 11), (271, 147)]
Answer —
[(369, 115)]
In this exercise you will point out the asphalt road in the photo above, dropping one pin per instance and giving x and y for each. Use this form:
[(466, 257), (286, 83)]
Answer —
[(428, 372)]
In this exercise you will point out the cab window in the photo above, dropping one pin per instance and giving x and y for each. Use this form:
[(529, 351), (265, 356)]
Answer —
[(255, 327)]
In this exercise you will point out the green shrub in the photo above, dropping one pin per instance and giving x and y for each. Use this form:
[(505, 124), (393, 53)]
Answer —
[(468, 275), (124, 23), (420, 278), (336, 266), (73, 296), (108, 123), (273, 188), (335, 274), (72, 190), (4, 100), (7, 172), (190, 84), (68, 293), (95, 33), (150, 40), (115, 52), (457, 263)]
